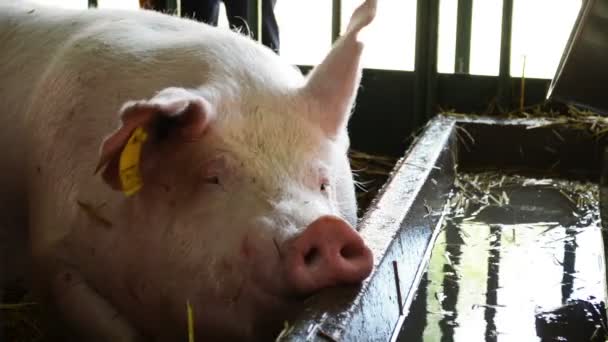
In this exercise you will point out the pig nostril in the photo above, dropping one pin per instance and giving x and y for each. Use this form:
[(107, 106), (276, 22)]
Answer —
[(350, 251), (311, 256)]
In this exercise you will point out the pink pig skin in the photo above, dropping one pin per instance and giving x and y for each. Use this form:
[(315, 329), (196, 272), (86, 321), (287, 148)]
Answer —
[(247, 205)]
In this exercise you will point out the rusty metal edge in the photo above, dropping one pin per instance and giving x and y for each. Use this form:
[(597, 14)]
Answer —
[(396, 229), (574, 35)]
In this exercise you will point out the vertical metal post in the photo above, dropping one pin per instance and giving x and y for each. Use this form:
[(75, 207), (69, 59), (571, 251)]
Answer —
[(255, 19), (463, 36), (155, 5), (336, 19), (604, 200), (504, 77), (92, 3), (171, 6), (427, 26)]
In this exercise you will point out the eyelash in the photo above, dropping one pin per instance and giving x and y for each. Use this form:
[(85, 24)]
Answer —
[(324, 186), (212, 180)]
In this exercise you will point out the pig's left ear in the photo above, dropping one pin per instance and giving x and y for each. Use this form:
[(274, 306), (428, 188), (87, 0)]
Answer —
[(174, 113), (333, 83)]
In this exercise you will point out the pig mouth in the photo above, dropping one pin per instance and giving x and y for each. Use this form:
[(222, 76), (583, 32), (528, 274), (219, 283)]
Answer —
[(281, 277), (269, 300), (269, 307), (257, 313)]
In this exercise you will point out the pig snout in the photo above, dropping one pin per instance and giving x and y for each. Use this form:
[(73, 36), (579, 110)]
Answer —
[(327, 253)]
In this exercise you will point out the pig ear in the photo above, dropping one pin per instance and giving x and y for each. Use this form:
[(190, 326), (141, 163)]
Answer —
[(173, 113), (333, 83)]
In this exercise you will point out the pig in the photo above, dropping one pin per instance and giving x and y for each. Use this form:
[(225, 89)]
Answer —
[(153, 163)]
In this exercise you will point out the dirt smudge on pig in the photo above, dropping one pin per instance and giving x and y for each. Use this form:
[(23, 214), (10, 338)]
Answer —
[(247, 249), (132, 289), (93, 213), (226, 266), (276, 245)]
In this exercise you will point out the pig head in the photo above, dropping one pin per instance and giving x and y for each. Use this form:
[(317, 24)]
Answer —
[(245, 206)]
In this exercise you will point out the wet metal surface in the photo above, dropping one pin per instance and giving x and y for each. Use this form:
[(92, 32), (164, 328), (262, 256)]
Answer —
[(399, 228), (517, 258), (404, 221), (547, 147)]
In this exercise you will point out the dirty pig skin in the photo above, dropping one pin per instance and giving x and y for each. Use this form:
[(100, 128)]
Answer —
[(151, 161)]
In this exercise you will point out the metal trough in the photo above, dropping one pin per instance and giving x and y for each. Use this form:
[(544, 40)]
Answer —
[(406, 217)]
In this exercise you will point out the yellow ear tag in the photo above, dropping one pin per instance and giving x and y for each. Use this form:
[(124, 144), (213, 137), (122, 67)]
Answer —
[(130, 177)]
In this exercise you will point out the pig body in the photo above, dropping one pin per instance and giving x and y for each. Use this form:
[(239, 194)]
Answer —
[(245, 175)]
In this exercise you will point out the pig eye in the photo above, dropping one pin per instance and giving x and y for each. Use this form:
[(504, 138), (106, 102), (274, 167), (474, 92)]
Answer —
[(324, 187), (212, 169), (212, 180)]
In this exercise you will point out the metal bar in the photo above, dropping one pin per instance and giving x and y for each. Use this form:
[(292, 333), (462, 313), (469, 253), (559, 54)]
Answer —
[(431, 71), (504, 77), (255, 19), (92, 3), (420, 63), (583, 62), (427, 26), (463, 36), (603, 180), (336, 19), (398, 288), (522, 93), (171, 6)]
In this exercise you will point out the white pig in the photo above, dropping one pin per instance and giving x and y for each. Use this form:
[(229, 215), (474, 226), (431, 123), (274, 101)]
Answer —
[(246, 201)]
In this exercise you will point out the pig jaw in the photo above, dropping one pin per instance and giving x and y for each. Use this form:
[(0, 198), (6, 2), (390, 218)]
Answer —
[(253, 279), (233, 270), (284, 200), (221, 232), (258, 294)]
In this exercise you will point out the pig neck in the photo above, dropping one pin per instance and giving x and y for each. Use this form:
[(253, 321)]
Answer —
[(19, 71), (26, 49)]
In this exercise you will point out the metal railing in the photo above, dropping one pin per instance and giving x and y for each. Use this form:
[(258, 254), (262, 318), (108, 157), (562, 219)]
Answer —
[(427, 27)]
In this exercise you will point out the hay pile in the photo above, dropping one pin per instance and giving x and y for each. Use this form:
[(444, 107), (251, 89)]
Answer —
[(477, 191), (568, 116), (21, 321), (370, 173)]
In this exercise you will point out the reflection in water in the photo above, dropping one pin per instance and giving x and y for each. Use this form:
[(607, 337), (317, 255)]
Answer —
[(505, 267), (569, 259), (418, 309), (450, 278), (492, 284)]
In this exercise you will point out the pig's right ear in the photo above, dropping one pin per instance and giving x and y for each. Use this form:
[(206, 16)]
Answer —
[(333, 84), (174, 113)]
